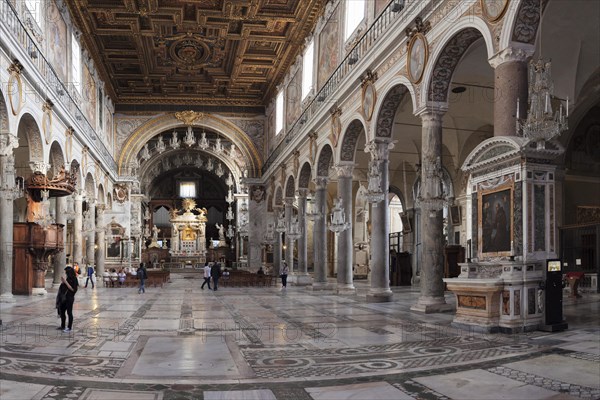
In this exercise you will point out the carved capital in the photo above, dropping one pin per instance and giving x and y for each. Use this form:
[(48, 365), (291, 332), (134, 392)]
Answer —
[(288, 201), (303, 192), (345, 170), (321, 182), (380, 148), (511, 54), (39, 166)]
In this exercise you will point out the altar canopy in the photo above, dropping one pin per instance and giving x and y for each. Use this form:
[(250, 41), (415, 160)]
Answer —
[(188, 240)]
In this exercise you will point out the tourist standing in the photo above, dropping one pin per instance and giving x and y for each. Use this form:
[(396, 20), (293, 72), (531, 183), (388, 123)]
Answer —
[(215, 273), (90, 275), (142, 276), (206, 276), (66, 298), (284, 273)]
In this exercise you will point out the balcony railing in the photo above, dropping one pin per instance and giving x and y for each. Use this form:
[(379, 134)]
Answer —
[(52, 86), (392, 13)]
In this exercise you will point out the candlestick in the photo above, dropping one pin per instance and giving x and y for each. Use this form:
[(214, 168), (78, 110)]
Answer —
[(517, 108), (567, 106)]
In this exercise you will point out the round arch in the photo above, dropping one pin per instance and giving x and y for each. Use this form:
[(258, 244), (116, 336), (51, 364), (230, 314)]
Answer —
[(134, 144), (304, 176), (388, 93), (349, 142), (28, 129), (90, 186), (290, 187), (324, 160), (446, 56), (386, 112), (56, 158)]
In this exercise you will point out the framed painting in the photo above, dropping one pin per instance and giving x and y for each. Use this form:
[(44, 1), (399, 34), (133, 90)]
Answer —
[(455, 216), (495, 216), (113, 248)]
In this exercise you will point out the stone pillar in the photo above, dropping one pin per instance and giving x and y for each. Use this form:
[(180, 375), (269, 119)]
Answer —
[(344, 240), (302, 277), (510, 81), (8, 194), (431, 197), (277, 246), (59, 261), (289, 243), (78, 230), (91, 234), (100, 240), (380, 230), (320, 235)]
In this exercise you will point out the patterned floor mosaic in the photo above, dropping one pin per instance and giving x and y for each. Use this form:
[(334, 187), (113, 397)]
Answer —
[(181, 342)]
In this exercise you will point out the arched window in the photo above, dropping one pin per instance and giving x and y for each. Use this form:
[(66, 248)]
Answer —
[(307, 69), (279, 113)]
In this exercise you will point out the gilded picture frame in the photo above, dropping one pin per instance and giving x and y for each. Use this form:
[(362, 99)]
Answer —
[(418, 54), (369, 97), (495, 221), (15, 93), (494, 10)]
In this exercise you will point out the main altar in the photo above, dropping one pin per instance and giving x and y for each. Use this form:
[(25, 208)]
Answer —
[(188, 233)]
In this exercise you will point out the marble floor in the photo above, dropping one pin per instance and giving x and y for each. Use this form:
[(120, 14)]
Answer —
[(181, 342)]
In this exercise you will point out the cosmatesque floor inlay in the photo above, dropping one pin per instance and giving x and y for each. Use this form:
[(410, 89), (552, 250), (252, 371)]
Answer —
[(181, 342)]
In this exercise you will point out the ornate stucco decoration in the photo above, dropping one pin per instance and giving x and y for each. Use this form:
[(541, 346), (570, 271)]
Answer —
[(15, 87), (189, 117), (336, 124), (47, 120)]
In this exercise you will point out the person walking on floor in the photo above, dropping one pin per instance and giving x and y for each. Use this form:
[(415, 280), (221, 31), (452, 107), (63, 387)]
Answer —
[(142, 276), (66, 298), (284, 273), (215, 273), (90, 275), (206, 276)]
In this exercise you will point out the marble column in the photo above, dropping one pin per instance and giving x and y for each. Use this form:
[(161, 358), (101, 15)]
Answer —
[(432, 267), (100, 240), (59, 261), (276, 246), (320, 235), (380, 230), (91, 234), (8, 194), (344, 241), (77, 255), (302, 277), (289, 243), (510, 82)]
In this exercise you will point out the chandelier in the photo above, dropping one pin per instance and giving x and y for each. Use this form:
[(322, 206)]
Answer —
[(338, 218), (295, 230), (374, 192), (203, 143), (269, 237), (175, 143), (230, 199), (542, 123), (160, 146), (281, 223), (229, 216), (189, 139), (312, 213), (218, 146), (230, 232)]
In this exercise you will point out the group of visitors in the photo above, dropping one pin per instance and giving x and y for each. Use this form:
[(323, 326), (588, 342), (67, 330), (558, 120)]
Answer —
[(212, 270), (65, 297)]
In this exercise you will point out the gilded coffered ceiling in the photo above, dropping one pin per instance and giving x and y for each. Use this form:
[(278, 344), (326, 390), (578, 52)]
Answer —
[(220, 53)]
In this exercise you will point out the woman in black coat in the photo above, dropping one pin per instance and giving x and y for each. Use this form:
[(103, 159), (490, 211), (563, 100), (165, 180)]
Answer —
[(66, 298)]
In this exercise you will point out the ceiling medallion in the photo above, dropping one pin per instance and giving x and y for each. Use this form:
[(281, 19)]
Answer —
[(190, 51)]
